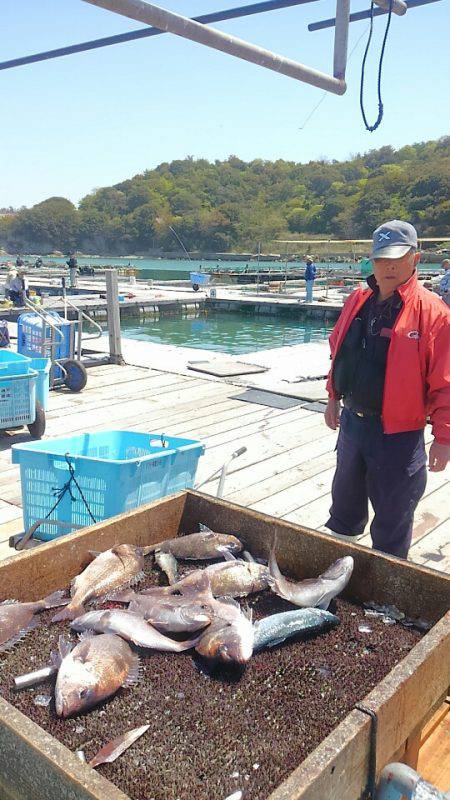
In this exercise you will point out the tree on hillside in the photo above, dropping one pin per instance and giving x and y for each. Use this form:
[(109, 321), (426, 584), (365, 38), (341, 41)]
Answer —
[(234, 204)]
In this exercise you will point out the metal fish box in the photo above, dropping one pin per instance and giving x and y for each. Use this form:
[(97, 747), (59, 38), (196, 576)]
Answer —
[(33, 764)]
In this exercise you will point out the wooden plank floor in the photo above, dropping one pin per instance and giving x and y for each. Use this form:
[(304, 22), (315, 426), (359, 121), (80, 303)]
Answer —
[(286, 471)]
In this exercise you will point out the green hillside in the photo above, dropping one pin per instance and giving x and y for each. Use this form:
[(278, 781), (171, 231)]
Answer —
[(231, 205)]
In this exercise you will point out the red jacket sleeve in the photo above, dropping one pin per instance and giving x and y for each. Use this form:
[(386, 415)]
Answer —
[(438, 379)]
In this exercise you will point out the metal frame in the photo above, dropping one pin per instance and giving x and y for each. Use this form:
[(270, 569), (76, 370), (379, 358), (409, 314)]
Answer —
[(226, 43), (330, 23), (143, 33)]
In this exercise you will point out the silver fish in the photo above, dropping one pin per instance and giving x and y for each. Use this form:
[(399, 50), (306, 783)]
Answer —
[(132, 627), (312, 592), (236, 578), (230, 636), (167, 613), (94, 670), (17, 619), (203, 545), (273, 630)]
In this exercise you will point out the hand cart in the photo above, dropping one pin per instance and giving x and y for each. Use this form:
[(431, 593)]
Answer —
[(43, 332)]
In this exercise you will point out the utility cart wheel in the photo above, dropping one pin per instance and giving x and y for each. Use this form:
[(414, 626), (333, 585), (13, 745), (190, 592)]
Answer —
[(195, 287), (76, 376), (37, 428)]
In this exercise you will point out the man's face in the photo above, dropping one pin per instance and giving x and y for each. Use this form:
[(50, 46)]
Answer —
[(392, 272)]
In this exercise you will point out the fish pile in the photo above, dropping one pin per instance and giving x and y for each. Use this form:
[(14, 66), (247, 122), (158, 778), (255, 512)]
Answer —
[(201, 608)]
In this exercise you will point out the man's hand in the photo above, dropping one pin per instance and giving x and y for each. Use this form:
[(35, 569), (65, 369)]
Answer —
[(439, 456), (333, 413)]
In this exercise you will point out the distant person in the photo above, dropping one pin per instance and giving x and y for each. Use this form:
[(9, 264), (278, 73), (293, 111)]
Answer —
[(16, 287), (19, 262), (390, 367), (38, 263), (444, 286), (310, 276), (72, 263)]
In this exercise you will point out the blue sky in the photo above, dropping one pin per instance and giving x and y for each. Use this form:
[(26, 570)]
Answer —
[(73, 124)]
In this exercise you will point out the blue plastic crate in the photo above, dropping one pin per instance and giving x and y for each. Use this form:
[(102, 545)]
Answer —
[(18, 398), (200, 278), (32, 332), (12, 363), (116, 471)]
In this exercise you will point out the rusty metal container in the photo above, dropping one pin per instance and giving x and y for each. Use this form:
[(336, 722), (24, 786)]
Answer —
[(34, 765)]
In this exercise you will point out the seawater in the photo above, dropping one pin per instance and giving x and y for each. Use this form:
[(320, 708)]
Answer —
[(160, 269), (229, 332)]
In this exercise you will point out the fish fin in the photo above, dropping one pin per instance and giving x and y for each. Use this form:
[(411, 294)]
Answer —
[(65, 646), (140, 576), (275, 578), (222, 550), (33, 623), (69, 612), (169, 565), (9, 602), (56, 599), (229, 601), (134, 673), (112, 750), (248, 557), (204, 528), (120, 596), (87, 634), (148, 550)]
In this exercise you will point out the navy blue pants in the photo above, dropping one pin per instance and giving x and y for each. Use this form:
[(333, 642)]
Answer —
[(387, 469)]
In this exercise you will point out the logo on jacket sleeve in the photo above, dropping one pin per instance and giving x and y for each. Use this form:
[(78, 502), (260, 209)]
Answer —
[(413, 335)]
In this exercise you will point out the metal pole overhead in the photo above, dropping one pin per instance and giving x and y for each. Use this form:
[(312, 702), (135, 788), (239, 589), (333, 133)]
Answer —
[(210, 37), (144, 33), (398, 6), (341, 38), (358, 15)]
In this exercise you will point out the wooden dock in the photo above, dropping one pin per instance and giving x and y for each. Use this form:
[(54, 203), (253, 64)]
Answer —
[(286, 471)]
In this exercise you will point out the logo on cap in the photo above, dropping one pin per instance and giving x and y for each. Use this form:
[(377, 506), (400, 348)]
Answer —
[(383, 236)]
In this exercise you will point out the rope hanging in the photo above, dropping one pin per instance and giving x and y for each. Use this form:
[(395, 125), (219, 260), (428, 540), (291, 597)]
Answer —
[(373, 127), (67, 487)]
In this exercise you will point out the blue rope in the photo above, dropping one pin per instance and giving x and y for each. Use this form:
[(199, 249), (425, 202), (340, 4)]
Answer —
[(373, 127)]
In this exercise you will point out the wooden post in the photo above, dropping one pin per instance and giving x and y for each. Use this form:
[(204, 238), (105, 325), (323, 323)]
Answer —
[(112, 302)]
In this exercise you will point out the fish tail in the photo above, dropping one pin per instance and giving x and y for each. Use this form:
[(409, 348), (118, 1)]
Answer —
[(55, 599), (72, 611), (274, 569), (188, 643)]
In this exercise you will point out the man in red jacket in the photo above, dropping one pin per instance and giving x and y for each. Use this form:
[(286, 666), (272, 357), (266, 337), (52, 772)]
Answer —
[(390, 352)]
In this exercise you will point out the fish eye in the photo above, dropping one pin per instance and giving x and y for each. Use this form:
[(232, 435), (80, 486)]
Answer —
[(83, 693)]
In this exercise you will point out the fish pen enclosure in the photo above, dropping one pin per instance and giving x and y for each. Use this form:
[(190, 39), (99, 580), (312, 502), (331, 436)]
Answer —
[(296, 724)]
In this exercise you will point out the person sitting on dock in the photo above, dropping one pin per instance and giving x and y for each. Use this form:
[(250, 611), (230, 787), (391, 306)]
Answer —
[(391, 367), (310, 276), (444, 285)]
